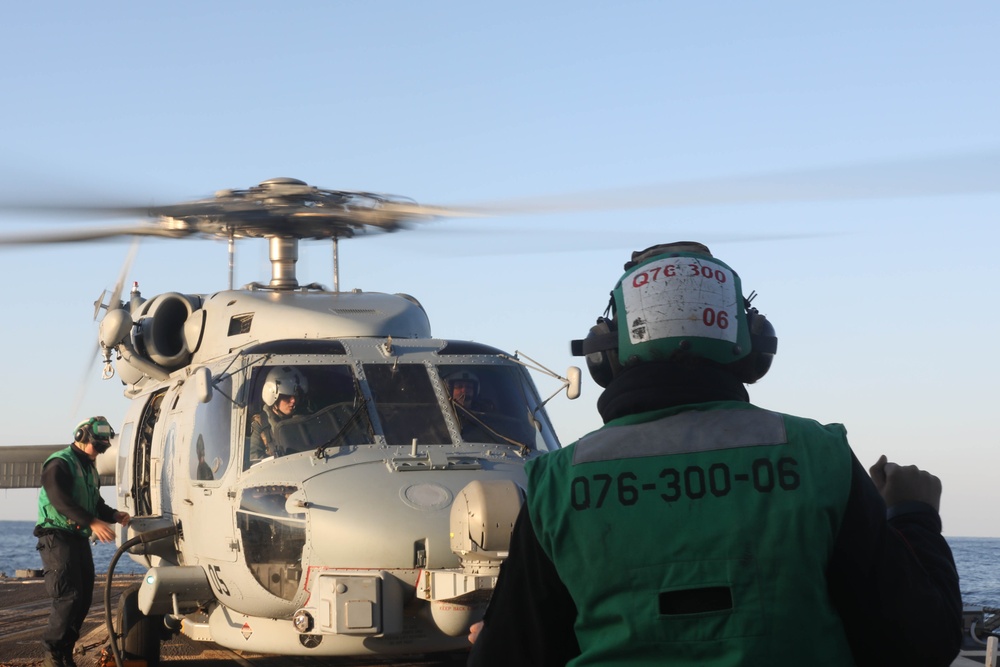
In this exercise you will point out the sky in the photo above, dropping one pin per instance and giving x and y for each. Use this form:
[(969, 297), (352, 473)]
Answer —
[(884, 304)]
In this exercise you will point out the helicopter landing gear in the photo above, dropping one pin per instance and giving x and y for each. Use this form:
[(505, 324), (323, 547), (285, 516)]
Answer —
[(140, 634)]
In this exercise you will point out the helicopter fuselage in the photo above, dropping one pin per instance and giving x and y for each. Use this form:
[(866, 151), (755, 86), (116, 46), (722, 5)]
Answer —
[(376, 515)]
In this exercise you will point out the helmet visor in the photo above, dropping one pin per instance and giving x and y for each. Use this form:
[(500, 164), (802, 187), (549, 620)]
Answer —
[(101, 430)]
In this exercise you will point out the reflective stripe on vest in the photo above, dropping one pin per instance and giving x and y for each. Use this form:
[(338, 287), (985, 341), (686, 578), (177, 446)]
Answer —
[(691, 431)]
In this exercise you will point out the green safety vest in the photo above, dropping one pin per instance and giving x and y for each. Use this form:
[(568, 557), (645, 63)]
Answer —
[(86, 492), (699, 535)]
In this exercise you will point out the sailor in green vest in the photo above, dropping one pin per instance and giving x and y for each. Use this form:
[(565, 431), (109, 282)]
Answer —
[(695, 528), (71, 511)]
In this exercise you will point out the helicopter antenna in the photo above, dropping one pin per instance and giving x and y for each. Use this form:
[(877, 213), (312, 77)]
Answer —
[(232, 256), (336, 265)]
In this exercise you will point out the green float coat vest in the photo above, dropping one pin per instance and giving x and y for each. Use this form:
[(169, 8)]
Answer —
[(699, 535), (86, 492)]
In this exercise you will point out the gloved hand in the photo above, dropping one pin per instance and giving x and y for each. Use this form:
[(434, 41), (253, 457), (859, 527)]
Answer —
[(899, 484)]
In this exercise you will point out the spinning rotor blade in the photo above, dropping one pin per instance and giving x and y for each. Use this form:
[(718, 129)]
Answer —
[(965, 174), (116, 294), (113, 302), (292, 209), (84, 234), (280, 207)]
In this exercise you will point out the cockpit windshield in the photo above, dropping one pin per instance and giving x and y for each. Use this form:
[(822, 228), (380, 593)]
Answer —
[(406, 404), (303, 408), (483, 403), (493, 404), (308, 407)]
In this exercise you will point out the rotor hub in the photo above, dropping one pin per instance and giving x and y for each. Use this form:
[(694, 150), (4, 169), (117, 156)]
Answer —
[(286, 208)]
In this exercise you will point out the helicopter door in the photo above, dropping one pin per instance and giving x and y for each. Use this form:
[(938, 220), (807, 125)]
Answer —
[(209, 475), (142, 455)]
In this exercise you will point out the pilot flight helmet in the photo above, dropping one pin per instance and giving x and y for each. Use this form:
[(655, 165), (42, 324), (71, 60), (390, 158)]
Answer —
[(676, 300), (96, 431), (283, 381), (463, 376)]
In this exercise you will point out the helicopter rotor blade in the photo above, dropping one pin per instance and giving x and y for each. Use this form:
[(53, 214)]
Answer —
[(977, 173), (113, 302), (76, 210), (85, 234), (81, 386), (289, 208), (116, 294)]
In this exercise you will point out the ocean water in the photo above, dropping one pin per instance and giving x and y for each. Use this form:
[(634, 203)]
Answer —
[(977, 558), (17, 551), (978, 562)]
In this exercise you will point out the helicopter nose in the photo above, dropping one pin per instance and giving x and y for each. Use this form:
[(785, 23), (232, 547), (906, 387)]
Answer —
[(373, 516)]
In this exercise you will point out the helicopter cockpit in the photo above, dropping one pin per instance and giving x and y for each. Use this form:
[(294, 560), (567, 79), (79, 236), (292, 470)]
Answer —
[(377, 403)]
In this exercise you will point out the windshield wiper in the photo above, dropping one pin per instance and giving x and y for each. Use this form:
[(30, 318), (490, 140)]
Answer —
[(321, 450), (486, 427)]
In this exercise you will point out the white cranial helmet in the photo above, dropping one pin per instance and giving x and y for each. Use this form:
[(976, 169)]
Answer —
[(283, 381), (463, 376)]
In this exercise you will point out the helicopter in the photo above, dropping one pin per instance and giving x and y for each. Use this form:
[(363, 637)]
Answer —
[(376, 516)]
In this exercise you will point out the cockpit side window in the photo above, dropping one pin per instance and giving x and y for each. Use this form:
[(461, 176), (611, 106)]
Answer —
[(211, 440)]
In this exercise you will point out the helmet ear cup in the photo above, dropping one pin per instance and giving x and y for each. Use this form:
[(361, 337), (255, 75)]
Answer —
[(763, 347), (95, 430), (601, 353)]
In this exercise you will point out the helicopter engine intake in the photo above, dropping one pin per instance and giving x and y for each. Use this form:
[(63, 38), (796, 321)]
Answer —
[(161, 323)]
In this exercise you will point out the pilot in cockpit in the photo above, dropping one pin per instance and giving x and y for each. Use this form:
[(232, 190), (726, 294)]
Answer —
[(469, 405), (463, 390), (284, 395)]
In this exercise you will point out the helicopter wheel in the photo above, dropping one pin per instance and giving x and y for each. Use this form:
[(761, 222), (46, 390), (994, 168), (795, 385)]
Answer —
[(140, 633)]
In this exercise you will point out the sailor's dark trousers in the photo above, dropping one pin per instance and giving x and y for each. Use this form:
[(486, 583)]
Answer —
[(69, 581)]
